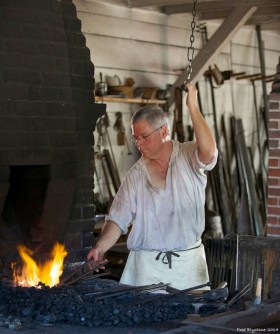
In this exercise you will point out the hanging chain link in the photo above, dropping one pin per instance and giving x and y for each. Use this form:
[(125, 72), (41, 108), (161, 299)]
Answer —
[(192, 39)]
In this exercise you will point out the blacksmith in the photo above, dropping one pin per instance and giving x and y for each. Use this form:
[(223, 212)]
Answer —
[(162, 198)]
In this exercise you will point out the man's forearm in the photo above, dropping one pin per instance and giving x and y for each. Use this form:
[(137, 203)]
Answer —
[(110, 234), (204, 137)]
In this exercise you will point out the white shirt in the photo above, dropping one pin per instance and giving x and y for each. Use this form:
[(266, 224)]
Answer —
[(164, 219)]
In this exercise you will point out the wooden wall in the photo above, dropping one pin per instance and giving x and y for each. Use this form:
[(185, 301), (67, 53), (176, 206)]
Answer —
[(151, 47)]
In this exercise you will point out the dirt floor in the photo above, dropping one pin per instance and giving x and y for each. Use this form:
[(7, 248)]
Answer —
[(181, 326), (66, 329), (71, 329)]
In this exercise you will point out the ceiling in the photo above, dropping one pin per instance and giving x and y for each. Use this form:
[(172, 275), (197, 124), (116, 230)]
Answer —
[(232, 15), (267, 13)]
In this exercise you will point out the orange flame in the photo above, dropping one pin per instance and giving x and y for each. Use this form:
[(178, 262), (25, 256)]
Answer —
[(32, 273)]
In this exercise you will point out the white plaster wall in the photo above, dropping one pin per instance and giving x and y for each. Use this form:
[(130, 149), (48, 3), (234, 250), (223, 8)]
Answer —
[(151, 47)]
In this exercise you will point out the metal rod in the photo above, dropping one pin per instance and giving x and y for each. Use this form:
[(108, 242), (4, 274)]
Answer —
[(178, 292), (74, 271), (236, 261), (262, 160), (113, 156), (262, 63), (84, 265), (239, 295), (132, 289)]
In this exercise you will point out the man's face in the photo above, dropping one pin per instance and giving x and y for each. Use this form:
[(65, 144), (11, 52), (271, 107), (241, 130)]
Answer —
[(147, 139)]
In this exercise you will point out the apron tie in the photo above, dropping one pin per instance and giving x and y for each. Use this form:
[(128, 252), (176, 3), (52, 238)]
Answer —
[(167, 257)]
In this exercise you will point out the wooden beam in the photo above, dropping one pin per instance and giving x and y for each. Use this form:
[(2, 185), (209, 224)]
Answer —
[(223, 34), (143, 3), (217, 5), (221, 14), (209, 3), (268, 25), (201, 6), (213, 15)]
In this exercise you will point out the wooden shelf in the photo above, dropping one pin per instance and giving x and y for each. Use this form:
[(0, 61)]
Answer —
[(128, 100)]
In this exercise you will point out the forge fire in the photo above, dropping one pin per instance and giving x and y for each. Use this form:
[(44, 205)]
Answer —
[(41, 294), (31, 273), (45, 294)]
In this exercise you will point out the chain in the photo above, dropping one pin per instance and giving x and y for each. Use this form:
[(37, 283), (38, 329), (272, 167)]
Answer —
[(192, 38)]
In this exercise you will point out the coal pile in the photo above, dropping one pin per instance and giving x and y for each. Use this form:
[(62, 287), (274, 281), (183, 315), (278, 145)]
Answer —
[(86, 304)]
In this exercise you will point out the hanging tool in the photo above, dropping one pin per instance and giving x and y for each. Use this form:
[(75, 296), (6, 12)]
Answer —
[(105, 172), (103, 139), (127, 145), (98, 181), (113, 158), (119, 127), (190, 49), (121, 136), (112, 170)]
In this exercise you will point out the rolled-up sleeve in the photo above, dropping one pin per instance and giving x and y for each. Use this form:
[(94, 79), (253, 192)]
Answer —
[(123, 206), (199, 164)]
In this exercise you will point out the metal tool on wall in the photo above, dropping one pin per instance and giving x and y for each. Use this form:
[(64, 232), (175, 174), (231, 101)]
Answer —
[(219, 174), (106, 156), (260, 177), (101, 88), (257, 223), (119, 127), (121, 135), (262, 63)]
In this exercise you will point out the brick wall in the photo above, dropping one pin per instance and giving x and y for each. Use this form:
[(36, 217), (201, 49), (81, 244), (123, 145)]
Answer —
[(47, 110), (273, 208)]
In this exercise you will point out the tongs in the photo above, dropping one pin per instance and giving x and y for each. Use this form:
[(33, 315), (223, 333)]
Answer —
[(85, 270)]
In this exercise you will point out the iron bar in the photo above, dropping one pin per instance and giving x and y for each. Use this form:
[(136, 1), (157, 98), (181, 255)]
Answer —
[(118, 292), (178, 292), (70, 279), (262, 63)]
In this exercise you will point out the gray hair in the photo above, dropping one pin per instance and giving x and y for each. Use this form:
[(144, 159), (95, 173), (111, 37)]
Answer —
[(154, 115)]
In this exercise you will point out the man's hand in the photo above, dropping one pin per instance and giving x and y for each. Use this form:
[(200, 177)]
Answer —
[(191, 96), (110, 233), (97, 255)]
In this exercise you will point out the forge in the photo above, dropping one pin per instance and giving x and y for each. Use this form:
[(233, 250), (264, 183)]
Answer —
[(47, 118), (93, 301)]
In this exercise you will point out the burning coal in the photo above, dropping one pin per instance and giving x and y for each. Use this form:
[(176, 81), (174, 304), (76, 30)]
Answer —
[(31, 273)]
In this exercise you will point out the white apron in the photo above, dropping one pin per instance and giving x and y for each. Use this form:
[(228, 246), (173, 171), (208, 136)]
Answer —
[(187, 270)]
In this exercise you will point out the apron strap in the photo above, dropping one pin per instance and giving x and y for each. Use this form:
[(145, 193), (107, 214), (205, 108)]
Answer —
[(167, 258)]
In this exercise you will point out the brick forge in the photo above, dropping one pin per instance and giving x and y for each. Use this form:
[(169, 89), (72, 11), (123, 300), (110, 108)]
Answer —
[(273, 207), (47, 119)]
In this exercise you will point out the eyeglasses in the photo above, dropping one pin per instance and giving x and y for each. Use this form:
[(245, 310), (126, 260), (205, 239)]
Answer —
[(143, 138)]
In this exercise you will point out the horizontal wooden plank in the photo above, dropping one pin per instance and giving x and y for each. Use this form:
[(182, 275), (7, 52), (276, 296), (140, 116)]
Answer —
[(135, 55), (128, 29), (128, 100), (141, 15)]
